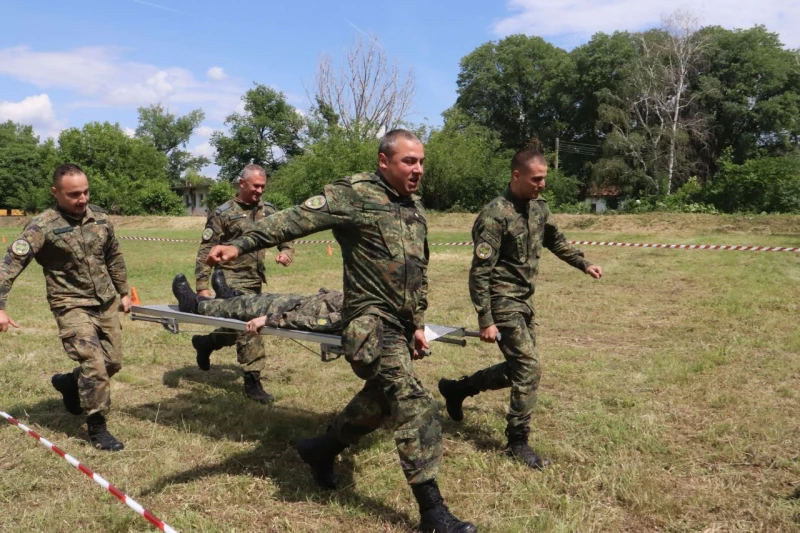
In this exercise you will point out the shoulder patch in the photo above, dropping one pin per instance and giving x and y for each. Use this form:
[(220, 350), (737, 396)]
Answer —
[(484, 250), (207, 234), (316, 202), (20, 247)]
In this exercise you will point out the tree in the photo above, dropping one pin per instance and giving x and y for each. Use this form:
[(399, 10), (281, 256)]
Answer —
[(367, 95), (118, 166), (654, 114), (266, 133), (25, 168), (169, 133), (750, 89), (514, 87)]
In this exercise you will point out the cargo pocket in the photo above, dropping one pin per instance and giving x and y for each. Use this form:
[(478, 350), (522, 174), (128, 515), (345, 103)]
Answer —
[(362, 341), (68, 337)]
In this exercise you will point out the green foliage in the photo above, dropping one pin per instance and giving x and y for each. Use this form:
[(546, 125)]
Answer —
[(767, 184), (332, 157), (26, 168), (465, 165), (218, 194), (562, 191), (279, 200), (169, 133), (158, 199), (119, 168), (268, 128)]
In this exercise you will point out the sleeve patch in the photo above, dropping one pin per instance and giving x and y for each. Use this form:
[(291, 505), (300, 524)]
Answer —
[(207, 234), (484, 250), (20, 247), (316, 202)]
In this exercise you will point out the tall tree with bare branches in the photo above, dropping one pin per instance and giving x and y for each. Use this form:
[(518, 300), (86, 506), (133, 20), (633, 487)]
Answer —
[(369, 94)]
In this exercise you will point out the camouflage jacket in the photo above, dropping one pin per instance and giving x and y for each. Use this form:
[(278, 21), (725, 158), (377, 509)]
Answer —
[(384, 244), (227, 223), (81, 259), (509, 235)]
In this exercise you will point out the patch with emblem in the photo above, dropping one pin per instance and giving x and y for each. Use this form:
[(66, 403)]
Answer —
[(207, 234), (322, 322), (20, 247), (484, 250), (316, 202)]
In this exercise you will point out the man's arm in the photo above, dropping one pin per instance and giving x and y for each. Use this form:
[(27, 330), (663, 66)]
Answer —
[(487, 236), (19, 255), (555, 241), (422, 306), (211, 237), (319, 213), (115, 263), (285, 249)]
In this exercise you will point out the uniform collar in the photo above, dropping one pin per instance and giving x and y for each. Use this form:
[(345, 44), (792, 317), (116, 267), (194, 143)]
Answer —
[(393, 195), (518, 202), (244, 205), (87, 216)]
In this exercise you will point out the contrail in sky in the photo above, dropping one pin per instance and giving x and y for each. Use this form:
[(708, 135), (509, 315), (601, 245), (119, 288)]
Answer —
[(374, 38), (166, 8)]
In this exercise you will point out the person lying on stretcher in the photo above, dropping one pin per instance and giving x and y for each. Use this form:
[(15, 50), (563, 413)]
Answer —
[(320, 312)]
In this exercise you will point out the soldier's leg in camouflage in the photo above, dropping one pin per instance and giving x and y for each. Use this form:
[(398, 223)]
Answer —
[(250, 352), (204, 345), (92, 339), (518, 345)]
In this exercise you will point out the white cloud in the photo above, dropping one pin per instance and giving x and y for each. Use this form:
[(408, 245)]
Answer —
[(577, 20), (204, 131), (204, 149), (36, 111), (216, 73), (103, 76), (130, 132)]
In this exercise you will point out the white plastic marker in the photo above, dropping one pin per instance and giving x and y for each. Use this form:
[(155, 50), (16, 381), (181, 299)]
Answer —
[(121, 496)]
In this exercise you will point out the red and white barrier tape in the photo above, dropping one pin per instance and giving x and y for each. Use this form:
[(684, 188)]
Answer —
[(99, 480), (585, 243)]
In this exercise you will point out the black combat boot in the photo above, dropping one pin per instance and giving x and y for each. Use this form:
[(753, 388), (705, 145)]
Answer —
[(253, 388), (320, 453), (455, 392), (99, 435), (68, 387), (187, 299), (435, 516), (517, 448), (221, 287), (204, 346)]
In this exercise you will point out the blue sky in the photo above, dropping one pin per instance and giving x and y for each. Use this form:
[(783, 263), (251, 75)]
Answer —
[(63, 64)]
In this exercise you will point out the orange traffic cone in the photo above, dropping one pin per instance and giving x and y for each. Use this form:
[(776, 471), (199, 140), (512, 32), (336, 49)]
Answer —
[(330, 251), (135, 297)]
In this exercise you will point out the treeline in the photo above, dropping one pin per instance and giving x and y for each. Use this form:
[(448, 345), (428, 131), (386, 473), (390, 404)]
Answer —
[(677, 118)]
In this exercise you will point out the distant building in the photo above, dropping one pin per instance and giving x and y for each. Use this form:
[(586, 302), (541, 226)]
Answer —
[(601, 199), (11, 212), (194, 198)]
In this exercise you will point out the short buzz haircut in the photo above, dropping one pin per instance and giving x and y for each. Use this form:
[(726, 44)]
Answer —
[(251, 169), (67, 169), (532, 152), (389, 141)]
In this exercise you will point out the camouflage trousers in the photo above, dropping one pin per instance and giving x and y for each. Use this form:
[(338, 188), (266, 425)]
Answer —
[(250, 349), (92, 337), (392, 397), (521, 370)]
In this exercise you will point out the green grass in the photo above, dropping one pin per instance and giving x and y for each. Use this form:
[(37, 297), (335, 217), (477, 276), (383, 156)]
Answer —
[(669, 399)]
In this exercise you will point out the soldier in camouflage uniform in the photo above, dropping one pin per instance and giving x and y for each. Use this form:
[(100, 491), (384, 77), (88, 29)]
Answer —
[(227, 223), (84, 271), (509, 235), (380, 225)]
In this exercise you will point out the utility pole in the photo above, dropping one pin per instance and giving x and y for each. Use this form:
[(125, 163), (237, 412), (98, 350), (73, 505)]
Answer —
[(556, 153)]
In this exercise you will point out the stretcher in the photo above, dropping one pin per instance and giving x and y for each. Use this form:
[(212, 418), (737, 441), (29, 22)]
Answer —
[(330, 345)]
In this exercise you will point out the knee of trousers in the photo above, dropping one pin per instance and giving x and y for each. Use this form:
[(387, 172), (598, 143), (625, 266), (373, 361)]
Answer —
[(419, 444)]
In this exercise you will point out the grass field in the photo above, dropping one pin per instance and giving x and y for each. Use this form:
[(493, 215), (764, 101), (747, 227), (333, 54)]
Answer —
[(670, 399)]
